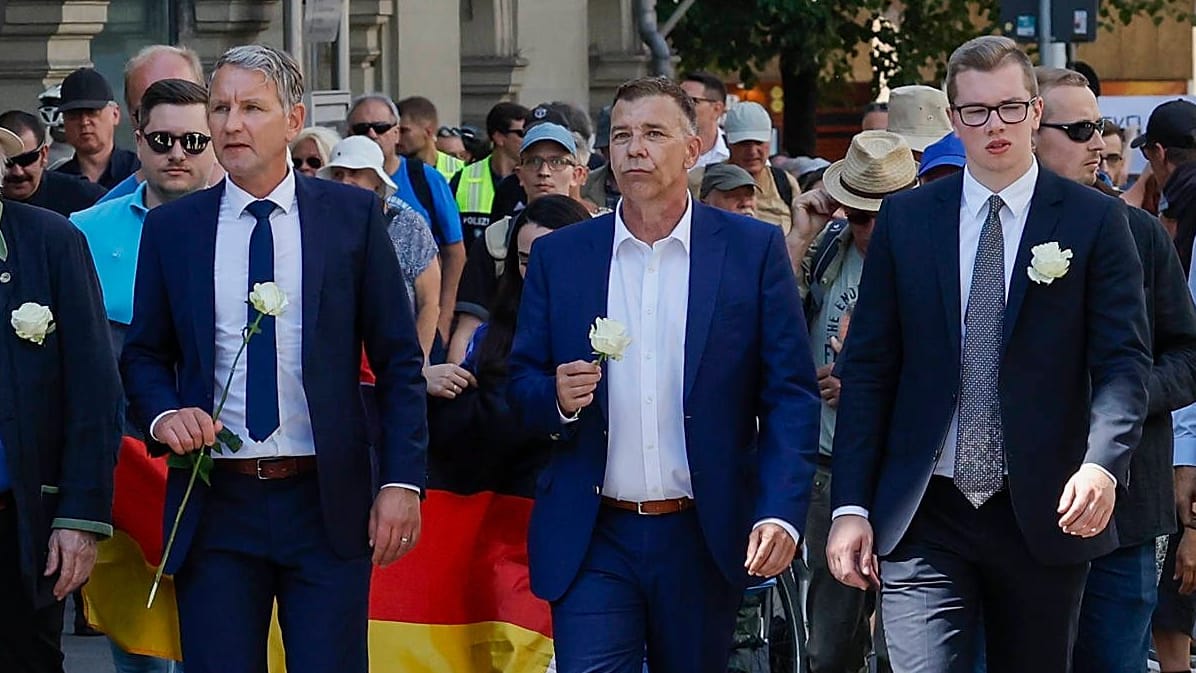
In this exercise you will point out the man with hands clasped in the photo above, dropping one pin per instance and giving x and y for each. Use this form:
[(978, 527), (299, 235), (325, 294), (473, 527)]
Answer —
[(994, 384), (682, 464)]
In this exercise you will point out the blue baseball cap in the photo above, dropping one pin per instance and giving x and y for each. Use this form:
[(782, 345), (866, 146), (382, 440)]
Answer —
[(946, 151), (550, 132)]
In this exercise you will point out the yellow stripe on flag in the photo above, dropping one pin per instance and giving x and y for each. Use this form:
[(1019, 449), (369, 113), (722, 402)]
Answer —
[(115, 598)]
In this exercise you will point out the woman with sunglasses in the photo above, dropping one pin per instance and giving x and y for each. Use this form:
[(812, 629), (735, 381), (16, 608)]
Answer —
[(311, 148)]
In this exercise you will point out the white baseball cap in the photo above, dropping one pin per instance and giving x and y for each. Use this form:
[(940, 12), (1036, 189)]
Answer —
[(748, 121)]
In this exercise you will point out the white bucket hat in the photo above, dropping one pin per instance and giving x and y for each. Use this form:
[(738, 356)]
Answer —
[(919, 114), (877, 164), (358, 153), (11, 143)]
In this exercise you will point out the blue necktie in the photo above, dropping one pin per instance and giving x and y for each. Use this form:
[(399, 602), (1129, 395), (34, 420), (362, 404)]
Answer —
[(980, 446), (261, 363)]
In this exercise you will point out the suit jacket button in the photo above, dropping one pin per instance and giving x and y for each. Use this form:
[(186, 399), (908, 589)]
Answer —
[(556, 436)]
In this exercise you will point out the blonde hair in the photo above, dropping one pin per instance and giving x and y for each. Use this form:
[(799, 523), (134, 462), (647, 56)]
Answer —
[(1050, 78), (985, 54), (324, 137)]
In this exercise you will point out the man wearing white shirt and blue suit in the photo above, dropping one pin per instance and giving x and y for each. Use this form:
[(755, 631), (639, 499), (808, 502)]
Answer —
[(694, 448), (293, 515)]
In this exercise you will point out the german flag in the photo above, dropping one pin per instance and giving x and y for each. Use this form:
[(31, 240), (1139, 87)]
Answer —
[(460, 601)]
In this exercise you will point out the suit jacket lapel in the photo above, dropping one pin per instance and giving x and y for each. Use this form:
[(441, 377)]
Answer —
[(706, 252), (1040, 225), (594, 294), (312, 219), (943, 232), (203, 279)]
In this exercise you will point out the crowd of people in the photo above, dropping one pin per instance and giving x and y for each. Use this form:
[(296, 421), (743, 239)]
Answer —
[(954, 371)]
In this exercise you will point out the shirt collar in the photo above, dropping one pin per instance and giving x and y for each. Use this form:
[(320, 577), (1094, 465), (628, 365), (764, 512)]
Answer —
[(680, 232), (283, 195), (1016, 196), (137, 202)]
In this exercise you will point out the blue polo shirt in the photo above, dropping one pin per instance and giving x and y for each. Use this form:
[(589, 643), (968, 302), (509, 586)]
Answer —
[(122, 188), (446, 226), (113, 232)]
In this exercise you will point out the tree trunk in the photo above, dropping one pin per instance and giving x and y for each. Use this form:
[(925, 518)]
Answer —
[(800, 83)]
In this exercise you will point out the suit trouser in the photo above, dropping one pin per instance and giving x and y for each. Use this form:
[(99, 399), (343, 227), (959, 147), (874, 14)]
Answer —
[(261, 541), (30, 640), (1119, 597), (646, 582), (837, 615), (957, 565)]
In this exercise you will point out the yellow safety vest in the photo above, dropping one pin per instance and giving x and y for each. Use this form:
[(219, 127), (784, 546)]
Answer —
[(475, 197), (448, 165)]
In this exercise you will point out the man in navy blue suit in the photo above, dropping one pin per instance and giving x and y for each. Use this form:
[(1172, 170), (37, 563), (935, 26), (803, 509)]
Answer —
[(293, 515), (993, 386), (698, 444)]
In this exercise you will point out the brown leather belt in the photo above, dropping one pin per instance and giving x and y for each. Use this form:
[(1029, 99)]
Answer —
[(268, 468), (6, 500), (651, 507)]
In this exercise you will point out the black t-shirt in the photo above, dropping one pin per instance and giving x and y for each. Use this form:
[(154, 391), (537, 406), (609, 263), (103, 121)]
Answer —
[(65, 194), (121, 165), (509, 198), (479, 282)]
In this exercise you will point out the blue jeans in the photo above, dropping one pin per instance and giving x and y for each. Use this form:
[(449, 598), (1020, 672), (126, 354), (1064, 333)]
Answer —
[(1119, 598), (127, 662)]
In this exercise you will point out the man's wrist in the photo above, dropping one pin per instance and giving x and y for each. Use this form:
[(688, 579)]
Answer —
[(154, 424)]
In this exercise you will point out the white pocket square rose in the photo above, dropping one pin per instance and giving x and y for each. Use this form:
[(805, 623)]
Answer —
[(268, 299), (609, 339), (1049, 263), (33, 322)]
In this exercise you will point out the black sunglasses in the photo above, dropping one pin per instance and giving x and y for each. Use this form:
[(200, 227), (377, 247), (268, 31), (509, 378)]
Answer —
[(1080, 132), (313, 163), (25, 159), (364, 128), (859, 217), (161, 142)]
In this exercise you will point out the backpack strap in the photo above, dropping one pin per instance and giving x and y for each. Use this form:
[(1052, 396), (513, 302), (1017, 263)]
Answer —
[(826, 249), (423, 190), (784, 187)]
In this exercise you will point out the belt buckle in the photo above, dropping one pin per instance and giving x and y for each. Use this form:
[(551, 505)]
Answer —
[(260, 462), (639, 509)]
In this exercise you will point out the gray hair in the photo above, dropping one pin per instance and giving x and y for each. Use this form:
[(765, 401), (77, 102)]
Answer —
[(324, 138), (374, 97), (277, 65), (154, 51)]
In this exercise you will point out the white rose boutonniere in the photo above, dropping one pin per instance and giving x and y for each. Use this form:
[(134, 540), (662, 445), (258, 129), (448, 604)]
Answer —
[(1049, 263), (33, 322), (609, 339)]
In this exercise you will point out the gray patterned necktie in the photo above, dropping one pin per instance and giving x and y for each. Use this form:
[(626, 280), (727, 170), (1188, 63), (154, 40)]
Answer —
[(979, 448)]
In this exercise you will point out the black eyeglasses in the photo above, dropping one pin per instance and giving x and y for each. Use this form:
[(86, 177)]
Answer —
[(699, 99), (1080, 132), (1011, 112), (161, 142), (364, 128), (448, 132), (313, 163), (554, 163), (518, 132), (25, 159)]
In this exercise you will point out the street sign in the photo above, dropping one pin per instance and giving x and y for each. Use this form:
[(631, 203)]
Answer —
[(1071, 20)]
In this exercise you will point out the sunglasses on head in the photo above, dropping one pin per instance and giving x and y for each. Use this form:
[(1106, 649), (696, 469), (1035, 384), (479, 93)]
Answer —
[(25, 159), (448, 132), (1080, 132), (161, 142), (364, 128), (313, 163)]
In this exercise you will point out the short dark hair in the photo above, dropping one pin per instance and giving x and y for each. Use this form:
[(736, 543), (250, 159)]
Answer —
[(418, 107), (502, 115), (170, 92), (876, 106), (19, 121), (645, 87), (715, 89)]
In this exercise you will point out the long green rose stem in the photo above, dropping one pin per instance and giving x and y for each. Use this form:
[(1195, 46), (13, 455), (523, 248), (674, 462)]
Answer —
[(196, 460)]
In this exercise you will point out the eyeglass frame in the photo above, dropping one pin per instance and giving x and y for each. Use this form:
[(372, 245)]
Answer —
[(1093, 127), (448, 132), (555, 164), (989, 109), (157, 147), (364, 128), (24, 159), (300, 162)]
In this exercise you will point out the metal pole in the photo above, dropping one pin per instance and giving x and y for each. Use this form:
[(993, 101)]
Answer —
[(342, 50), (1044, 31), (292, 35)]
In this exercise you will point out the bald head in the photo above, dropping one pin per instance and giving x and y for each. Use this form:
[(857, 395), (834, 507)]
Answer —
[(155, 63)]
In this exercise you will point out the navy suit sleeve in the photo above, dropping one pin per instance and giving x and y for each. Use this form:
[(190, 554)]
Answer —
[(1118, 356), (91, 387), (869, 368), (151, 350), (1173, 377), (533, 374), (789, 406), (392, 346)]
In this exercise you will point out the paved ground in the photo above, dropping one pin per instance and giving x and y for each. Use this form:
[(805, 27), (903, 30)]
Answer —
[(84, 655)]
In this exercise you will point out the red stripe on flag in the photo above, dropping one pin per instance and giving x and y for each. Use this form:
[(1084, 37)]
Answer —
[(470, 566), (140, 496)]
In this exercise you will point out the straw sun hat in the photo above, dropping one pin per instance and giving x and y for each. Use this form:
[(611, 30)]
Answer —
[(877, 164)]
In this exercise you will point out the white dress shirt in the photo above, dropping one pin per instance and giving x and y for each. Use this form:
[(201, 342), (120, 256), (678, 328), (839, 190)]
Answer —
[(648, 292), (973, 211), (717, 154)]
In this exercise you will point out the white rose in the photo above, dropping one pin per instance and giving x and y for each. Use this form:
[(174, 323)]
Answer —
[(268, 299), (609, 339), (1049, 263), (33, 322)]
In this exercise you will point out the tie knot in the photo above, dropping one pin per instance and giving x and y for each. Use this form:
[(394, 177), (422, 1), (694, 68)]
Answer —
[(995, 204), (261, 210)]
